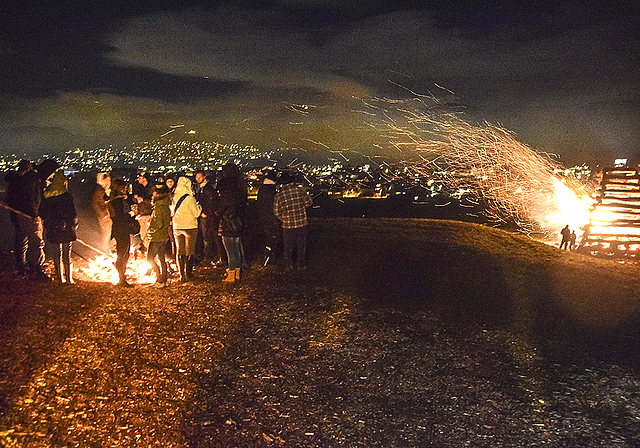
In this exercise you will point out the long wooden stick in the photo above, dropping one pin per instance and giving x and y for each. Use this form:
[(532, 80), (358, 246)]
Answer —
[(11, 209)]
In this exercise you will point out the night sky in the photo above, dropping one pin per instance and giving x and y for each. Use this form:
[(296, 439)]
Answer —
[(563, 76)]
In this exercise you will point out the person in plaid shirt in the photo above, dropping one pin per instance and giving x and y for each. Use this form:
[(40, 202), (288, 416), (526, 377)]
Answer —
[(290, 207)]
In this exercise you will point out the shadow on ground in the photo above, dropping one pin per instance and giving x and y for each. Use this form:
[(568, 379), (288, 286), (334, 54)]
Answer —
[(568, 304)]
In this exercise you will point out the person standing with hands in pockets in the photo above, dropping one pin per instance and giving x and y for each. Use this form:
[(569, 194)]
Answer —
[(60, 222)]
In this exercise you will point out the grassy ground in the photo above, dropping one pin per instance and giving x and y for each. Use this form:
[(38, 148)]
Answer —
[(401, 333)]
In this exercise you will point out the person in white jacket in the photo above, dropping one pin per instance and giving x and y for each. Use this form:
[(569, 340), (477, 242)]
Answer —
[(185, 211)]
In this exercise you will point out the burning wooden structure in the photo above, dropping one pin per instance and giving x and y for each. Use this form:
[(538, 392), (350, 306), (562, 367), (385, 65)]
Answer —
[(614, 225)]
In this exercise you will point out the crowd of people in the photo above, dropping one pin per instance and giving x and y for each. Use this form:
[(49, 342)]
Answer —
[(178, 219)]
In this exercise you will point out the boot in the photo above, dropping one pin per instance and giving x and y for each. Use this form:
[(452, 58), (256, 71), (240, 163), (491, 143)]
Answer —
[(123, 281), (190, 263), (67, 273), (57, 275), (182, 267), (237, 273), (231, 276)]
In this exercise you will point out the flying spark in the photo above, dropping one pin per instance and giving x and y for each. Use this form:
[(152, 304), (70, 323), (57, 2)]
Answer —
[(487, 162)]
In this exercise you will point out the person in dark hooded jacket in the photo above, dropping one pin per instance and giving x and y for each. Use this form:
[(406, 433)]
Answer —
[(231, 210), (60, 222), (122, 227), (271, 228)]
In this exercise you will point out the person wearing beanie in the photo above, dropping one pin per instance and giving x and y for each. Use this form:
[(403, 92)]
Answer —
[(60, 222)]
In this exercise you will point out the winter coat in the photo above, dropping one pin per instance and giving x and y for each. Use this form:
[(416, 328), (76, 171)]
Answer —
[(160, 219), (99, 202), (266, 196), (186, 216), (207, 197), (13, 188), (24, 192), (121, 220), (59, 218), (231, 208)]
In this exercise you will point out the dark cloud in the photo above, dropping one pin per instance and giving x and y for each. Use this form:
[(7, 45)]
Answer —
[(563, 76)]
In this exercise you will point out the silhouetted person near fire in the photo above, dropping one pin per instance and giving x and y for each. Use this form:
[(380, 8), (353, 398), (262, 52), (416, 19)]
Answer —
[(24, 194), (232, 212), (208, 222), (101, 210), (290, 207), (123, 225), (271, 228), (185, 212), (158, 233), (170, 183), (585, 234), (60, 221), (566, 237), (142, 191), (572, 240)]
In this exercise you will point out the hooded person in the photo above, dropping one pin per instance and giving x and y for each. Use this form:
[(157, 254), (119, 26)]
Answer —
[(123, 225), (271, 229), (185, 211), (60, 222), (158, 233)]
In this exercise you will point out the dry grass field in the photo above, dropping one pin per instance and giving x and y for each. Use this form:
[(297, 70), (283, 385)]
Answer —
[(402, 333)]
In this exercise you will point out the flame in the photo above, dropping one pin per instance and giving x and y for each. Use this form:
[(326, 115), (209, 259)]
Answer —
[(102, 269), (567, 208), (518, 184)]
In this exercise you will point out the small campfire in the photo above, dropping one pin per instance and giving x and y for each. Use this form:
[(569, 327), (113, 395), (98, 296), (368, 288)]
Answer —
[(102, 269)]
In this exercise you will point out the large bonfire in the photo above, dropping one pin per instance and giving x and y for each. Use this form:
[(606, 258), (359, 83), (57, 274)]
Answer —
[(517, 183)]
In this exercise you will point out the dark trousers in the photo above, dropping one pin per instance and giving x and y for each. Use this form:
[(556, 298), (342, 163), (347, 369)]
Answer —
[(158, 249), (61, 254), (28, 244), (221, 253), (122, 254), (206, 248), (272, 233), (564, 244), (295, 239)]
